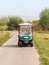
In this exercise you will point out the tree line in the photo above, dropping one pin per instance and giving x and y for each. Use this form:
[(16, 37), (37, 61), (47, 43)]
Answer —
[(43, 22), (10, 23)]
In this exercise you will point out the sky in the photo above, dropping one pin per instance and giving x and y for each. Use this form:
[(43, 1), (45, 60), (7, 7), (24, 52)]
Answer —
[(26, 9)]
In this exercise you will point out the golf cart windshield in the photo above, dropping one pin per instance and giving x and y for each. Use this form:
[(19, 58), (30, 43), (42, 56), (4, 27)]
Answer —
[(25, 30)]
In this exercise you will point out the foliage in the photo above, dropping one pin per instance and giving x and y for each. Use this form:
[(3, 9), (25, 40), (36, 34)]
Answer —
[(36, 22), (1, 28), (41, 41), (4, 38), (3, 21), (13, 23), (9, 23), (36, 25), (44, 18)]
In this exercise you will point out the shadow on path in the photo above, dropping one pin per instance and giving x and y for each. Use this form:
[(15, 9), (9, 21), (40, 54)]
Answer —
[(10, 46), (13, 46)]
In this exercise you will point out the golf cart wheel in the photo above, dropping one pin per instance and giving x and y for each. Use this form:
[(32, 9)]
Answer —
[(19, 44), (31, 44)]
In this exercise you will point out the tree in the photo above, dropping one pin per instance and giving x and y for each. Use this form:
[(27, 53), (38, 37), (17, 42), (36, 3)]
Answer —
[(36, 25), (13, 23), (44, 18), (3, 23), (35, 22)]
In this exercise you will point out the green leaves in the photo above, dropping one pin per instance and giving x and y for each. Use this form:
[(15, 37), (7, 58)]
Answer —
[(13, 23), (44, 18)]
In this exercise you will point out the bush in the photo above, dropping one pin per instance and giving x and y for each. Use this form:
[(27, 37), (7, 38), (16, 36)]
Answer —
[(1, 28), (4, 38)]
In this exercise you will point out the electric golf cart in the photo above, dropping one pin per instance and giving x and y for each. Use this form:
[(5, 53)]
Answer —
[(25, 35)]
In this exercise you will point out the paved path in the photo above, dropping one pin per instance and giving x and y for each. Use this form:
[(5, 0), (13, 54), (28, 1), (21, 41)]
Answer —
[(10, 54)]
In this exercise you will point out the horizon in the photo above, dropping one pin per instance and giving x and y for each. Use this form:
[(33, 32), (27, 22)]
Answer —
[(25, 18)]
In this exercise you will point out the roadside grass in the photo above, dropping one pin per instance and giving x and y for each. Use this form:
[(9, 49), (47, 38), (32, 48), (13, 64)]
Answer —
[(4, 36), (41, 42)]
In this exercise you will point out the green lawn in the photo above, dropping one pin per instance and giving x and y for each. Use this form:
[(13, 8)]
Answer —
[(4, 37), (41, 42)]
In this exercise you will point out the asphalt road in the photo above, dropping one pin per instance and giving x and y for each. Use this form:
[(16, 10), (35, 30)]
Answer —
[(11, 54)]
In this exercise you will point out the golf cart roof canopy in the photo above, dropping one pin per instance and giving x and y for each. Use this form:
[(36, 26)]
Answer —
[(25, 24)]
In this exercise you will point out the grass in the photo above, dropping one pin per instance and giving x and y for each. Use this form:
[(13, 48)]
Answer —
[(4, 36), (41, 41)]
